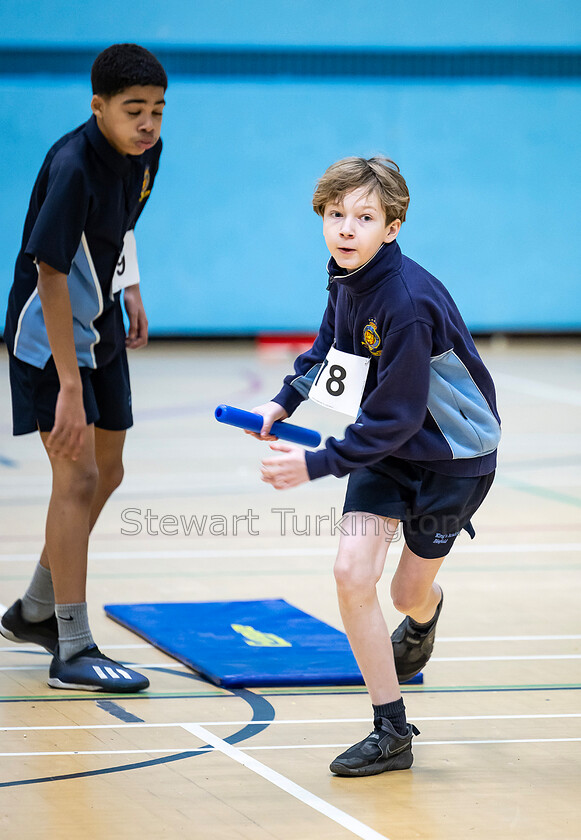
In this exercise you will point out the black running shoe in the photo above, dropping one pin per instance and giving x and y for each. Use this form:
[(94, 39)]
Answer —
[(14, 627), (90, 670), (412, 648), (382, 750)]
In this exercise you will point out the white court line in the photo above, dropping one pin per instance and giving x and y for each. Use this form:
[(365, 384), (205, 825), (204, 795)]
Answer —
[(416, 744), (508, 638), (340, 817), (273, 747), (553, 393), (441, 639), (276, 722), (248, 553), (533, 657)]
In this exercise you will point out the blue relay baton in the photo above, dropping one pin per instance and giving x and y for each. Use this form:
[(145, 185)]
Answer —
[(253, 423)]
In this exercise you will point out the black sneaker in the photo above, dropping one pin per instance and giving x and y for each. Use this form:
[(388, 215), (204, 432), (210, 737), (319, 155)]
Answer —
[(382, 750), (14, 627), (412, 648), (90, 670)]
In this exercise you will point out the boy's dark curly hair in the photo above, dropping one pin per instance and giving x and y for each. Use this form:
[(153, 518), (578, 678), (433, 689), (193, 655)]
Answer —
[(124, 65)]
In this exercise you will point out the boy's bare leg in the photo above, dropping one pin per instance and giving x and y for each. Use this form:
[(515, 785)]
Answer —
[(68, 528), (74, 484), (61, 577), (78, 496), (109, 457), (413, 590), (358, 568), (415, 594), (109, 460)]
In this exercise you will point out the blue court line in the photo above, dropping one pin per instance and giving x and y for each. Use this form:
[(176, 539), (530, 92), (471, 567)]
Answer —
[(261, 710), (107, 770), (118, 711), (8, 462), (252, 386)]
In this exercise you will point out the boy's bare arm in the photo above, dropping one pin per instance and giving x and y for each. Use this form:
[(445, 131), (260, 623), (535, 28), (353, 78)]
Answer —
[(67, 435), (271, 412), (138, 327), (289, 469)]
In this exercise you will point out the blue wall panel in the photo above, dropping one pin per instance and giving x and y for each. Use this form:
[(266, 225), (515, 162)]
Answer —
[(365, 23), (229, 243)]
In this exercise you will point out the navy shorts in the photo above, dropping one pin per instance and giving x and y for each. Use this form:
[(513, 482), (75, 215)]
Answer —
[(106, 395), (433, 508)]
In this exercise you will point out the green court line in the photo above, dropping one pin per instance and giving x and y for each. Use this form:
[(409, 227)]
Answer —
[(535, 490), (102, 695), (542, 463), (290, 690)]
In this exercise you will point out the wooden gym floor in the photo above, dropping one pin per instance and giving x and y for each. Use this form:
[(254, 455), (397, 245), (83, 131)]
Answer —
[(498, 754)]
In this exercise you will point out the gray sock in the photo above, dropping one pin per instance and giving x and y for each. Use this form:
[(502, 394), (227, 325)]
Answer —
[(38, 600), (74, 631)]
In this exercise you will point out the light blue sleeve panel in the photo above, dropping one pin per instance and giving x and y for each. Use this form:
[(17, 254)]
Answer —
[(459, 408)]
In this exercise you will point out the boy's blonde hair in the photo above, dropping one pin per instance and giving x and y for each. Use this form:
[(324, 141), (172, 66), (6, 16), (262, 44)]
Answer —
[(377, 174)]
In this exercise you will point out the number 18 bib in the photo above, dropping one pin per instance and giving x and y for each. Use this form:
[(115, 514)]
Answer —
[(340, 382)]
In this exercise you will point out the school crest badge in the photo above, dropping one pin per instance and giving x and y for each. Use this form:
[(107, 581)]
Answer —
[(145, 186), (371, 338)]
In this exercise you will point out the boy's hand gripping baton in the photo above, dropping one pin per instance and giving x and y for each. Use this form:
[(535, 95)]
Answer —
[(253, 423)]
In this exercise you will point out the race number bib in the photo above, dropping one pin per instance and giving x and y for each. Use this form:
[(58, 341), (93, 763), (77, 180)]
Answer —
[(340, 382), (127, 270)]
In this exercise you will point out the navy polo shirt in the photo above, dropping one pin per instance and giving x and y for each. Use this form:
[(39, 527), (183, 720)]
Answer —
[(85, 199)]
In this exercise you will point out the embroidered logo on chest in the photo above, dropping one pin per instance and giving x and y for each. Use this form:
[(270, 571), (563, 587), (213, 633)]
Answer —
[(371, 337), (145, 186)]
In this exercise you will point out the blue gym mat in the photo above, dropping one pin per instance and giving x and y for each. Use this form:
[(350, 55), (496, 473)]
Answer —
[(245, 643)]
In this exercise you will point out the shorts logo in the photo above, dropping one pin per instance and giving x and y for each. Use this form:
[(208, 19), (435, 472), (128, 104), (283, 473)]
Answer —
[(442, 539), (144, 187), (371, 338)]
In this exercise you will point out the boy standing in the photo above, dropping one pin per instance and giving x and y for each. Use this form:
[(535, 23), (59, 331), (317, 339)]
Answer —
[(394, 352), (67, 346)]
